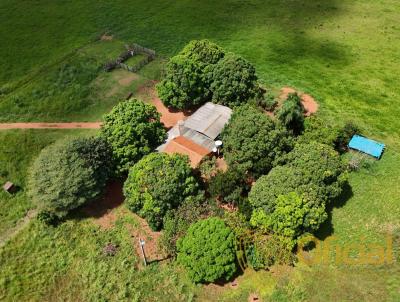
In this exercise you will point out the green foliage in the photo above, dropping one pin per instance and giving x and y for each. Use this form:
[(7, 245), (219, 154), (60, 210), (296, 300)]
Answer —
[(208, 251), (176, 222), (253, 141), (315, 170), (69, 174), (158, 183), (320, 165), (291, 114), (133, 129), (234, 81), (292, 216), (345, 135), (228, 186), (184, 84), (186, 81)]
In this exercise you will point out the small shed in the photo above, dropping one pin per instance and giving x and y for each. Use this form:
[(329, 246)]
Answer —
[(367, 146), (9, 187)]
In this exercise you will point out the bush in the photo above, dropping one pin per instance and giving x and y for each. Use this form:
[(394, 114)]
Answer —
[(345, 135), (157, 183), (234, 81), (186, 83), (133, 129), (208, 251), (292, 216), (68, 174), (252, 141), (176, 222), (228, 186), (291, 114)]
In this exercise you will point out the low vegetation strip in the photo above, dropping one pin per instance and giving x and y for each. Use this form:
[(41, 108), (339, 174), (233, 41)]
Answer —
[(7, 126)]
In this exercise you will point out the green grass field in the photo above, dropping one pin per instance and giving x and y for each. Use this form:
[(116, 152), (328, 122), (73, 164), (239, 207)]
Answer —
[(345, 53)]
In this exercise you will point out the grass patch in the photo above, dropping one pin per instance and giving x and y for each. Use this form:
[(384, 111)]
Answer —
[(18, 148)]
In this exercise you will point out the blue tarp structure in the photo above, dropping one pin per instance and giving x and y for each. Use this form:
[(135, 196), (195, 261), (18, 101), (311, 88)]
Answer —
[(367, 146)]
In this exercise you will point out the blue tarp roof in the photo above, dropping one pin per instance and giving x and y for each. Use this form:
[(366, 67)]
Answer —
[(367, 146)]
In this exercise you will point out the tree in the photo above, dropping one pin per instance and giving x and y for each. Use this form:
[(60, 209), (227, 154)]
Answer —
[(97, 154), (227, 186), (315, 170), (208, 251), (133, 129), (68, 174), (320, 165), (186, 83), (157, 183), (234, 81), (253, 141), (177, 221), (292, 216), (291, 114)]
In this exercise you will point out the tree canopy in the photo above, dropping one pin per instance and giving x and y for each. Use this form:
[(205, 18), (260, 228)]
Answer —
[(234, 81), (208, 251), (253, 141), (186, 81), (291, 114), (157, 183), (69, 174), (133, 129)]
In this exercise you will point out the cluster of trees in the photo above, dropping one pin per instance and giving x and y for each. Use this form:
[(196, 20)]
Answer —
[(203, 71)]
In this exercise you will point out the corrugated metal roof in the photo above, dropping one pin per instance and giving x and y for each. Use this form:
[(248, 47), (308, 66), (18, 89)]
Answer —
[(209, 119)]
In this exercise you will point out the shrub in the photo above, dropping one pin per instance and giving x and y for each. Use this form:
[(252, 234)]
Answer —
[(186, 81), (227, 186), (253, 141), (133, 129), (291, 114), (176, 222), (344, 136), (68, 174), (208, 251), (234, 81), (157, 183)]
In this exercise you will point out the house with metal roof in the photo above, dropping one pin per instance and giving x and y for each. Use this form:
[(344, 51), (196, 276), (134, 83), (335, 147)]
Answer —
[(196, 135)]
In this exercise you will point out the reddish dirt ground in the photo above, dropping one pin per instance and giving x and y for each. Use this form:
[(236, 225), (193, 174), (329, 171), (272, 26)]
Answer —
[(151, 238), (7, 126), (102, 209), (309, 103), (168, 117)]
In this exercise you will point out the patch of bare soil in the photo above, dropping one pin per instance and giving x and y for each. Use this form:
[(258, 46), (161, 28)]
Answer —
[(309, 103), (102, 209), (221, 164), (128, 79), (168, 117), (151, 238), (106, 37)]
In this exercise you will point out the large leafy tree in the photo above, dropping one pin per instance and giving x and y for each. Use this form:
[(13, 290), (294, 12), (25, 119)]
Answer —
[(253, 141), (291, 114), (292, 216), (69, 174), (234, 81), (315, 170), (208, 251), (157, 183), (133, 129), (186, 81)]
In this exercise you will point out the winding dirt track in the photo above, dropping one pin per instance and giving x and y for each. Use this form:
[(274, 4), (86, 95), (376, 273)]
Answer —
[(7, 126)]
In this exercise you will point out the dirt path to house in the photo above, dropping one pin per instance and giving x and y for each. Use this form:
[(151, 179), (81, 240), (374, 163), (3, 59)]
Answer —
[(8, 126), (22, 223)]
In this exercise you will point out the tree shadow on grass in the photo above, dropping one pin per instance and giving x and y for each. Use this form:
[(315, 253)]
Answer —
[(327, 228)]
